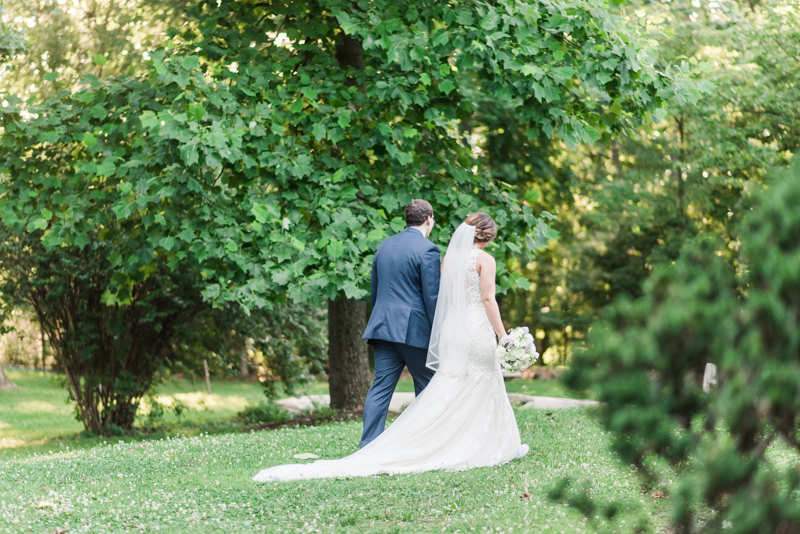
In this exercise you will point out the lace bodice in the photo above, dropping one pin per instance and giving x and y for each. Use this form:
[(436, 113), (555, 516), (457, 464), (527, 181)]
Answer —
[(473, 280)]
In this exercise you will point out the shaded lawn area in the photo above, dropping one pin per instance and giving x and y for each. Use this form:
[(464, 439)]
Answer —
[(202, 484), (39, 411)]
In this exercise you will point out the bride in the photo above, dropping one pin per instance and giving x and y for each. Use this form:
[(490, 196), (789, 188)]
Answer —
[(463, 418)]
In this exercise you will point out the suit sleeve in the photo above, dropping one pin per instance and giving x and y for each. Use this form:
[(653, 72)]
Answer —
[(373, 282), (430, 271)]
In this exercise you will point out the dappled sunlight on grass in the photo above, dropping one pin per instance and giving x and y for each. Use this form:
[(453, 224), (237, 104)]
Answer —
[(35, 407), (38, 412), (202, 401), (9, 443)]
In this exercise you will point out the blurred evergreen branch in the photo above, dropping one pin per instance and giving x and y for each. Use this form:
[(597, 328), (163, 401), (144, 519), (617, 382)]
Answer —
[(646, 361)]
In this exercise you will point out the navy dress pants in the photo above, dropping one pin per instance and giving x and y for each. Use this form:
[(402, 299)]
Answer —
[(389, 361)]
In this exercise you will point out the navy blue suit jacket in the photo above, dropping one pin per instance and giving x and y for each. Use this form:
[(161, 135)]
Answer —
[(404, 289)]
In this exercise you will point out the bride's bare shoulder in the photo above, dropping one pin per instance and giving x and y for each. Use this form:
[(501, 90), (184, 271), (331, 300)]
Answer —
[(485, 256), (485, 259)]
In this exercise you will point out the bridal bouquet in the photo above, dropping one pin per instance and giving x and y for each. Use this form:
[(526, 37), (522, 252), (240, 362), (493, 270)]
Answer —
[(517, 350)]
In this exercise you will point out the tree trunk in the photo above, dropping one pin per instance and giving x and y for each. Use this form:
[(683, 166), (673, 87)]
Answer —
[(348, 363), (348, 375), (5, 383), (44, 347), (349, 53)]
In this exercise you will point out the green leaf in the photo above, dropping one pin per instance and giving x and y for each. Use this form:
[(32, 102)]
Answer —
[(319, 130), (513, 247), (187, 235), (99, 112), (532, 196), (310, 93), (190, 62), (522, 283), (281, 277), (260, 213), (378, 234), (446, 86), (335, 249), (490, 21), (89, 140), (410, 132), (195, 112), (167, 243), (149, 119), (51, 76), (404, 158), (81, 240), (231, 246), (425, 79), (441, 38), (106, 168), (464, 17), (47, 214), (344, 118), (100, 60), (190, 154), (562, 74), (549, 216), (531, 70), (352, 291), (265, 211), (397, 224)]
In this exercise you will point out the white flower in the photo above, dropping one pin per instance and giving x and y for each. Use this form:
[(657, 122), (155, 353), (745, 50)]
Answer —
[(520, 353)]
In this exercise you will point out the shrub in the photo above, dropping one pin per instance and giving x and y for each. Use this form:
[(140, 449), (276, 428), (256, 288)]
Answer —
[(264, 412), (646, 362)]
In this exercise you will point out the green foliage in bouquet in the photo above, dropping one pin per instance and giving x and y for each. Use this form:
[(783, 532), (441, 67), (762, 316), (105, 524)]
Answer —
[(646, 361)]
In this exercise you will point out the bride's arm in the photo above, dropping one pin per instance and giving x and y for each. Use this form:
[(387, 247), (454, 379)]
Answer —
[(487, 269)]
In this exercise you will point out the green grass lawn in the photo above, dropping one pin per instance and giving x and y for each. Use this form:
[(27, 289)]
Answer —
[(39, 411), (202, 484)]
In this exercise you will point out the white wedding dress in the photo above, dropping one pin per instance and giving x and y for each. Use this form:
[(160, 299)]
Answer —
[(461, 420)]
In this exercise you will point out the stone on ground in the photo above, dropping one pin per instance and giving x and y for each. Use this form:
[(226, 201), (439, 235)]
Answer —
[(298, 405)]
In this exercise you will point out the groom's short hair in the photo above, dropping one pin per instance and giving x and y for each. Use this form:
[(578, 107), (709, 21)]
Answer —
[(417, 212)]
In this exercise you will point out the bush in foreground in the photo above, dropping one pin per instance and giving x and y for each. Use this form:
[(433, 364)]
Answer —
[(647, 362)]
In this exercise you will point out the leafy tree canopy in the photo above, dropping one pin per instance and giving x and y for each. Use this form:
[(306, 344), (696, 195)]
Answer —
[(274, 148)]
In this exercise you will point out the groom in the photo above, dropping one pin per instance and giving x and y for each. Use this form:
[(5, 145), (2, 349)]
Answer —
[(404, 288)]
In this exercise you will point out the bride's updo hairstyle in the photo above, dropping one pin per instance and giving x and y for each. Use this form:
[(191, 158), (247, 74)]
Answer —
[(485, 227)]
